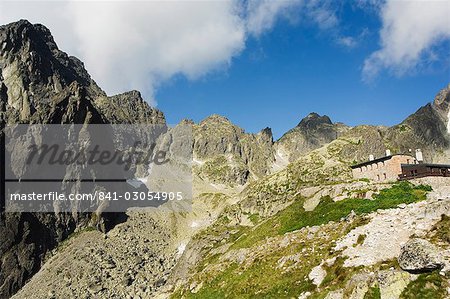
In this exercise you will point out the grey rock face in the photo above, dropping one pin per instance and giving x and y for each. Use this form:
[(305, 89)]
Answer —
[(43, 84), (216, 135), (129, 108), (311, 133), (39, 84), (425, 129), (442, 100), (419, 255), (231, 155)]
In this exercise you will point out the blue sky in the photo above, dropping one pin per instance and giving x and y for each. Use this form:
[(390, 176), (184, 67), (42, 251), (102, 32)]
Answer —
[(295, 69), (258, 62)]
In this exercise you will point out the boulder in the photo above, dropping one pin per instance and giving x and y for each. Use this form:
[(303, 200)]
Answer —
[(419, 255), (317, 275)]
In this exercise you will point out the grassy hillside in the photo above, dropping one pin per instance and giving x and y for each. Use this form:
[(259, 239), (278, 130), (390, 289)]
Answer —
[(274, 258)]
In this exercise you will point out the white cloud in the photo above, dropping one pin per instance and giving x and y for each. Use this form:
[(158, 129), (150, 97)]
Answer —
[(261, 15), (141, 44), (351, 42), (322, 12), (347, 41), (138, 45), (146, 43), (410, 30)]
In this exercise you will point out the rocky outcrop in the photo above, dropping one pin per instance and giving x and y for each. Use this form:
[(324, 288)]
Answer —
[(392, 283), (442, 102), (115, 265), (227, 154), (129, 108), (311, 133), (426, 129), (39, 84), (44, 84), (419, 255), (317, 275)]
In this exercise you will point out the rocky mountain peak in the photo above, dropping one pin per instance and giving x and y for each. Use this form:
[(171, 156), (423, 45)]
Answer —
[(30, 50), (266, 134), (216, 119), (15, 35), (187, 122), (39, 84), (312, 132), (442, 100), (428, 129), (41, 81), (313, 120), (130, 107), (218, 126)]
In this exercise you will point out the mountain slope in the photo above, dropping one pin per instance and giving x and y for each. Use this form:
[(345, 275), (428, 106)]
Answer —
[(312, 132), (226, 154), (41, 84), (426, 129)]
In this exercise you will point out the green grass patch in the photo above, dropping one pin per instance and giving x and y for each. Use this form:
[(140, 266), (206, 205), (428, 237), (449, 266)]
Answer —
[(254, 218), (373, 293), (295, 217), (265, 277), (441, 230), (262, 278), (429, 285), (361, 239)]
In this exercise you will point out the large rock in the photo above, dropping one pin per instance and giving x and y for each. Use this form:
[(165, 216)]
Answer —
[(392, 283), (419, 255), (317, 275)]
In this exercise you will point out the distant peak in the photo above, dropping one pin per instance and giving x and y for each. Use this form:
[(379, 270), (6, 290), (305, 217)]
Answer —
[(18, 24), (134, 94), (442, 99), (15, 33), (314, 119), (313, 115), (266, 131), (216, 118), (186, 121), (266, 134)]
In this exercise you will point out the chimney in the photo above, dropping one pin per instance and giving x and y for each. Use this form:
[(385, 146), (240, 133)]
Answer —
[(419, 156), (388, 152), (371, 158)]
